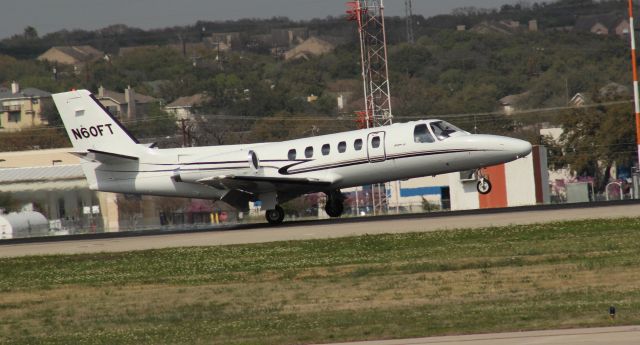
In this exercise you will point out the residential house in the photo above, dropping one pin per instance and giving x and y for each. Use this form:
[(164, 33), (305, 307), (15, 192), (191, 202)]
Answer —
[(289, 37), (21, 109), (578, 100), (606, 24), (224, 41), (614, 91), (76, 56), (128, 105), (184, 107), (313, 46), (503, 27), (510, 103)]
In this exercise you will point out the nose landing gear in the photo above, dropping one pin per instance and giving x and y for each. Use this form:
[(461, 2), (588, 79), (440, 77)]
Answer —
[(484, 185)]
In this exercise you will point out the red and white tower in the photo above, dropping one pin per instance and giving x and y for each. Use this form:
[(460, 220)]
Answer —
[(636, 97), (369, 16)]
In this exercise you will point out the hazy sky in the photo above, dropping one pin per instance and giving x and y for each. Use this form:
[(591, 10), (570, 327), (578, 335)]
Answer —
[(52, 15)]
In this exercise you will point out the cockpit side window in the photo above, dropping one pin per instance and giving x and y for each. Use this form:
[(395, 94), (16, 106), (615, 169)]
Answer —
[(421, 134), (443, 130)]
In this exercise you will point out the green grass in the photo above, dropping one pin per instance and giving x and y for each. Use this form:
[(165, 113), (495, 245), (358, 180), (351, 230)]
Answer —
[(368, 287)]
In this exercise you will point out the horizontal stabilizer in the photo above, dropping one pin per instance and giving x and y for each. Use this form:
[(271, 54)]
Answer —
[(106, 157)]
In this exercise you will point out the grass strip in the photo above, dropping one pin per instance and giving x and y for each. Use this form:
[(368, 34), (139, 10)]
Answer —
[(512, 278)]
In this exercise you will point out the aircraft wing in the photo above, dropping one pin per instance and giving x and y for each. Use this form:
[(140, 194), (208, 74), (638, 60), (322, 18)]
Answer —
[(255, 184)]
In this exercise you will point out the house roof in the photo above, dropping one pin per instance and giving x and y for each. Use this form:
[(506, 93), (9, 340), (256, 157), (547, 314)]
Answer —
[(494, 27), (189, 101), (120, 98), (311, 46), (585, 23), (579, 99), (24, 93), (79, 53), (513, 99)]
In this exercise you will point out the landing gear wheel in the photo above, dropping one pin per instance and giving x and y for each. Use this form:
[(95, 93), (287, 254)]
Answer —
[(484, 186), (275, 216), (335, 204)]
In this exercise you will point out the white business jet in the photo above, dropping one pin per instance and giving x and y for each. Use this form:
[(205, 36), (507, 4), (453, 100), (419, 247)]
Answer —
[(273, 173)]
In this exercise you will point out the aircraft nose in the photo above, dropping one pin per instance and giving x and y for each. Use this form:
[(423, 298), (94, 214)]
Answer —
[(519, 148)]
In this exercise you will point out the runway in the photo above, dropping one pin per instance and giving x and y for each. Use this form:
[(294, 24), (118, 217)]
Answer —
[(318, 230), (626, 335)]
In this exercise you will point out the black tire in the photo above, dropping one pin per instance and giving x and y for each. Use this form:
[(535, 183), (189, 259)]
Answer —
[(275, 216), (334, 211), (335, 204), (484, 186)]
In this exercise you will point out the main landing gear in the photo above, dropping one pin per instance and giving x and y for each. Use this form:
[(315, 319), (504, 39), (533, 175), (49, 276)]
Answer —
[(484, 185), (335, 203), (275, 216)]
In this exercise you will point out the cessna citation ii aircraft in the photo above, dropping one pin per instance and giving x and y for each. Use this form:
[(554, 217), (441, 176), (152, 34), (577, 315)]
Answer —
[(114, 161)]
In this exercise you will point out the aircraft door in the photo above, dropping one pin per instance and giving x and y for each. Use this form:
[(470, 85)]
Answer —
[(375, 147)]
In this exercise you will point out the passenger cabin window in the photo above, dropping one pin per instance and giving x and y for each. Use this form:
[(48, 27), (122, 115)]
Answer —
[(308, 152), (326, 149), (357, 144), (375, 142), (342, 146), (421, 134), (443, 130), (292, 155)]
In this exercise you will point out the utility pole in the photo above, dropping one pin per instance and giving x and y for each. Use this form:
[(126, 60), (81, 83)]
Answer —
[(186, 133)]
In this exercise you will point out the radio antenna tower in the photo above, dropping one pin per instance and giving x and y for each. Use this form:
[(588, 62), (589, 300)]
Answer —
[(369, 16), (408, 8)]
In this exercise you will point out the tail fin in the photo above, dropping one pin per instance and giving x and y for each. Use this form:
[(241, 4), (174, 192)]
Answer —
[(91, 127)]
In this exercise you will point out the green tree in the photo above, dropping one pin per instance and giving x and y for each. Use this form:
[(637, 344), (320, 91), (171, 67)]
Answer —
[(596, 138), (8, 203), (30, 32), (155, 123)]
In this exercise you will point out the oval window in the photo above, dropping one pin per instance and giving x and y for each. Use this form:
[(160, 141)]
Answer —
[(308, 152), (342, 146), (375, 142), (326, 149), (357, 144)]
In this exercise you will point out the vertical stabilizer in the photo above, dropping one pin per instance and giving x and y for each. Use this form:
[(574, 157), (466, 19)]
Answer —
[(91, 127)]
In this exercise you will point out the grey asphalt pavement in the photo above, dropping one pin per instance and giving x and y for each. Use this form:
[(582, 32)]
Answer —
[(626, 335), (311, 230)]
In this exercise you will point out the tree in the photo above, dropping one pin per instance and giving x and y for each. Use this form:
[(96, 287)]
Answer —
[(8, 203), (595, 139), (30, 33), (155, 123)]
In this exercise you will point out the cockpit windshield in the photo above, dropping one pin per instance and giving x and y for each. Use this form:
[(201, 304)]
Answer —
[(421, 134), (443, 129)]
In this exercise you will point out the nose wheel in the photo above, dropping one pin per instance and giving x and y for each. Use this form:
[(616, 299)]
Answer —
[(484, 185)]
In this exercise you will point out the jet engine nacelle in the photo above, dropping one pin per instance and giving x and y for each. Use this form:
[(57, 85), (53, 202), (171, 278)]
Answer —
[(236, 163)]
